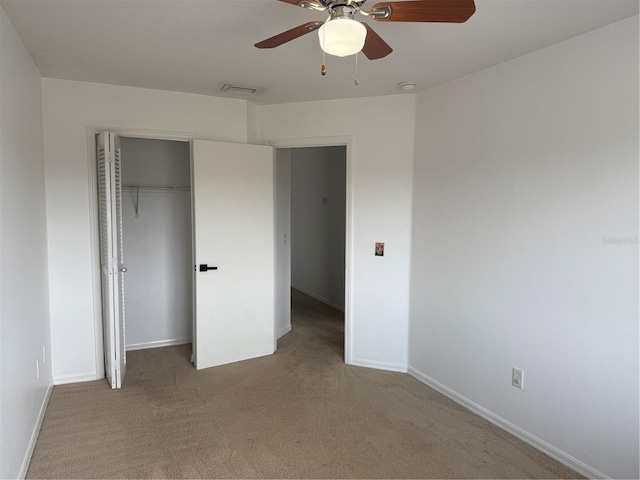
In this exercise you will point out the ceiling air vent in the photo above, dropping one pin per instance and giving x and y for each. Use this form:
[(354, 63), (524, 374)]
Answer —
[(237, 90)]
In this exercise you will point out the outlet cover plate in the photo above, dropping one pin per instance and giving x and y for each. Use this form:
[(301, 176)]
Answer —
[(517, 378)]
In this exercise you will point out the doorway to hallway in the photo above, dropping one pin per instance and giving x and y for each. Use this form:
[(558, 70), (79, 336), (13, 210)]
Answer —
[(311, 221)]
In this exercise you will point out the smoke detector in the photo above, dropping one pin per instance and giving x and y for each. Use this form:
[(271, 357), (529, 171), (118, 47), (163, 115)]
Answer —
[(406, 86)]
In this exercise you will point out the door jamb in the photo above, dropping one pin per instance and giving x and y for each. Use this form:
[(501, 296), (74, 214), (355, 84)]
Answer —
[(346, 141), (94, 227)]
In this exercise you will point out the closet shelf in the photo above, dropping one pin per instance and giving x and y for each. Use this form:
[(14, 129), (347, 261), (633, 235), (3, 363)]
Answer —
[(152, 188)]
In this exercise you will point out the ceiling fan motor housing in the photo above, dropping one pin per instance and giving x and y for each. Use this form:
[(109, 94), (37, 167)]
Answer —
[(342, 11)]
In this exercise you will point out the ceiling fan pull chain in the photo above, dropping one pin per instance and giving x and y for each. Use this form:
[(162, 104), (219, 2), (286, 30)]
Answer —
[(356, 82), (323, 71)]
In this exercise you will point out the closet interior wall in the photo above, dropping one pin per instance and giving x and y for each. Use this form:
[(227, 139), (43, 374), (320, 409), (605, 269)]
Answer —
[(157, 234)]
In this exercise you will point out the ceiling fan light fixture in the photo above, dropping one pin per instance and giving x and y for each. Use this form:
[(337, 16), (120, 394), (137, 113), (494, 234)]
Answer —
[(342, 36)]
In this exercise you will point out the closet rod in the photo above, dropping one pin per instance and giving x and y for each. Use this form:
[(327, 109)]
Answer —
[(157, 187), (150, 188)]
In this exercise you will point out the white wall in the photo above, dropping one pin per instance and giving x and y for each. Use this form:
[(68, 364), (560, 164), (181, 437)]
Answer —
[(380, 177), (252, 123), (318, 228), (157, 244), (150, 161), (283, 241), (523, 174), (69, 108), (24, 296)]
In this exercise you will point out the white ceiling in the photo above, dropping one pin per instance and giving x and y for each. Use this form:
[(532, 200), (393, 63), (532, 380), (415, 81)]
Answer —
[(197, 46)]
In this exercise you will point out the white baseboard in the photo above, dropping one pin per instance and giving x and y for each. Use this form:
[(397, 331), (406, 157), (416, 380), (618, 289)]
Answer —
[(555, 453), (158, 344), (85, 377), (390, 367), (319, 298), (92, 377), (284, 331), (34, 434)]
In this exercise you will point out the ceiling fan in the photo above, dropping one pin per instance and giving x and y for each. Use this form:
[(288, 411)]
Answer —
[(341, 35)]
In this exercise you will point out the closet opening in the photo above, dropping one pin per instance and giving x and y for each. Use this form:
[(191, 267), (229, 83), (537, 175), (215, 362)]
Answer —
[(146, 246), (157, 242)]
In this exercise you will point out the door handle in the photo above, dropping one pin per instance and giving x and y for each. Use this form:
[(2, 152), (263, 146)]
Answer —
[(204, 267)]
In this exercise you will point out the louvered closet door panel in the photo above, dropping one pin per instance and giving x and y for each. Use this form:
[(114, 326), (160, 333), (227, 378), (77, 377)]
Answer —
[(119, 263), (106, 274)]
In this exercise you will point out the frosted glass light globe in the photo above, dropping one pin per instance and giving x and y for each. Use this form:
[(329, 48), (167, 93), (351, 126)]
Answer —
[(342, 36)]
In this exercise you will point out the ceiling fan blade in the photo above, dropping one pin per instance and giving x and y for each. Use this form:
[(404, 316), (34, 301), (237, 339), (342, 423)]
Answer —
[(450, 11), (289, 35), (374, 46)]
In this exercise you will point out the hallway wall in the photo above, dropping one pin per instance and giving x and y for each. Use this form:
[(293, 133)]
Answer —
[(283, 240), (318, 174)]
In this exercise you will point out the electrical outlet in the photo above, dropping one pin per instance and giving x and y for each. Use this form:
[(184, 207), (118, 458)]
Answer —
[(517, 378), (37, 368)]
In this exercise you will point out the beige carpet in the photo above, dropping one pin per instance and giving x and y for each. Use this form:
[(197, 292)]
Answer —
[(301, 413)]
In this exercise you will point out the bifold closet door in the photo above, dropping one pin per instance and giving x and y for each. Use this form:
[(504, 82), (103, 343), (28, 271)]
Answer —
[(233, 212), (111, 257)]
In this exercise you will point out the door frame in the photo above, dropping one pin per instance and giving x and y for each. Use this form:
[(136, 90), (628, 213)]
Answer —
[(333, 141), (94, 226)]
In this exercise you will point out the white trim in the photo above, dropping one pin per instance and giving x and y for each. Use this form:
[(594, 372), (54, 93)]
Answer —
[(390, 367), (346, 141), (194, 304), (86, 377), (94, 238), (157, 344), (555, 453), (318, 297), (94, 231), (274, 177), (284, 331), (34, 434)]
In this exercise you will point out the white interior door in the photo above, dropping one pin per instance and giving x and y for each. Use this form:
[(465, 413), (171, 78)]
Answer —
[(233, 218), (111, 257)]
